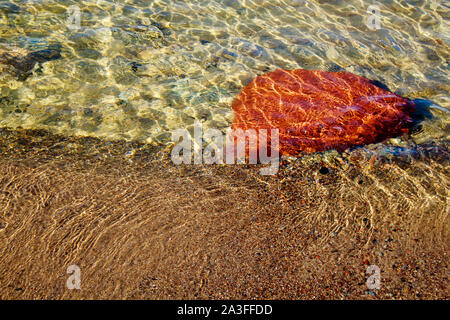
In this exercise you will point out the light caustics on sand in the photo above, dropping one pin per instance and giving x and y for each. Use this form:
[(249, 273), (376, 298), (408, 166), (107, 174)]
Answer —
[(318, 110)]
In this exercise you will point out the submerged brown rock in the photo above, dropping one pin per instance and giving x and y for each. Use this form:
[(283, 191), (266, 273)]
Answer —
[(317, 110), (21, 63)]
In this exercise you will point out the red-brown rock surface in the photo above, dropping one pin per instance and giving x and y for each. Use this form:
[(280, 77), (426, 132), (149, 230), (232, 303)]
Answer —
[(317, 110)]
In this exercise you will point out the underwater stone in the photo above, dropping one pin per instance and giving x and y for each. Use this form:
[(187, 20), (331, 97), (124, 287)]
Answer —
[(9, 8), (318, 110), (22, 66)]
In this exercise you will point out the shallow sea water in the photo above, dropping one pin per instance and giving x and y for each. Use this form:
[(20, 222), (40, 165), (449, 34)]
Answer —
[(137, 70), (141, 227)]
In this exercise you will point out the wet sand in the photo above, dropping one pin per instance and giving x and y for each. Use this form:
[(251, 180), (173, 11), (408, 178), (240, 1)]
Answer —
[(140, 227)]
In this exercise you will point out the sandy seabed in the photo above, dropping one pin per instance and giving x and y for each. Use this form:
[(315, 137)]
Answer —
[(140, 227)]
